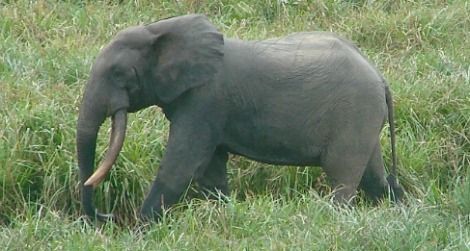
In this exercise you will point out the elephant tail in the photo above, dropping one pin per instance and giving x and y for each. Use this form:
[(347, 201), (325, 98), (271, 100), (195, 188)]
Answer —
[(392, 177)]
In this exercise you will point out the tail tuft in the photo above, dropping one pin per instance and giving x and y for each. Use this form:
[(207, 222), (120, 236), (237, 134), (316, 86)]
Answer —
[(396, 190)]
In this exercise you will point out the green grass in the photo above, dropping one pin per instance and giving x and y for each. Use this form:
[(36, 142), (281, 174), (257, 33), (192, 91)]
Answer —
[(47, 48), (261, 224)]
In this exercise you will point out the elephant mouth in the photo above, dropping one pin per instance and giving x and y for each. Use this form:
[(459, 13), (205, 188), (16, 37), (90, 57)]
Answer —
[(116, 140)]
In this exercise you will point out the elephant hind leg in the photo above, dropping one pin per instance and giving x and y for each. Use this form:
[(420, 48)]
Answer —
[(373, 181), (345, 178), (213, 178), (345, 169), (346, 158)]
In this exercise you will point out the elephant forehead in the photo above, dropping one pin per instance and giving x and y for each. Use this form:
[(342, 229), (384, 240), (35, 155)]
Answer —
[(115, 57), (133, 37)]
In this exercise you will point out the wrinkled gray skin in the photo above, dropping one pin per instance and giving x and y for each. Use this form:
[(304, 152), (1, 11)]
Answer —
[(307, 99)]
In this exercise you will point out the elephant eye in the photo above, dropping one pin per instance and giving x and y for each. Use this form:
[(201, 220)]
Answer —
[(118, 74), (136, 74), (135, 84)]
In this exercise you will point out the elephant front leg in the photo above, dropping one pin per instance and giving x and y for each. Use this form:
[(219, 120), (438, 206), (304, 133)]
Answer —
[(213, 179), (166, 190), (188, 150)]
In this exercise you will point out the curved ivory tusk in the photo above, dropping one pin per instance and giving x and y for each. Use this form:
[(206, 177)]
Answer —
[(116, 140)]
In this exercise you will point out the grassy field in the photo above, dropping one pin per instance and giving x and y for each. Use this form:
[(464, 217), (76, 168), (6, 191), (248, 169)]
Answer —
[(47, 48)]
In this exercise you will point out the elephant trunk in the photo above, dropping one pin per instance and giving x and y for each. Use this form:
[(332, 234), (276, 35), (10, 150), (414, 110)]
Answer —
[(89, 122), (91, 117)]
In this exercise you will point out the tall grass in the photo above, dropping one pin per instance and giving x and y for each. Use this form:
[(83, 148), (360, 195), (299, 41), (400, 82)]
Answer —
[(47, 48)]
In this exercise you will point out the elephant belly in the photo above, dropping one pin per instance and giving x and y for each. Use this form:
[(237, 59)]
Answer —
[(275, 147), (278, 155)]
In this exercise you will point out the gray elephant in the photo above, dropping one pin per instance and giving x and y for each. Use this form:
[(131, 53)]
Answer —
[(304, 99)]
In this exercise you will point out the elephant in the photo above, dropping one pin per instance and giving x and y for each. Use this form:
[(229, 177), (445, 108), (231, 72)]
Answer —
[(306, 99)]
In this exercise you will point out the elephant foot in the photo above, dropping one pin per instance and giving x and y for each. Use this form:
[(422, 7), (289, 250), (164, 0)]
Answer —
[(104, 217), (100, 217), (150, 215)]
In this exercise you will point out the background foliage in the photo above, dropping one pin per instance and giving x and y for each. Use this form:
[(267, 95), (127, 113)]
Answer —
[(47, 48)]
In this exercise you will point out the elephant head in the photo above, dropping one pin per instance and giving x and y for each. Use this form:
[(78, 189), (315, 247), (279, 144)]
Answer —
[(144, 65)]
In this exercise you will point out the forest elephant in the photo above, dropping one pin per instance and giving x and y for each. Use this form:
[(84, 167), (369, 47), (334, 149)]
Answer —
[(306, 99)]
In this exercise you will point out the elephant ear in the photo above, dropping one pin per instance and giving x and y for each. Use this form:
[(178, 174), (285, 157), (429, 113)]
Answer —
[(189, 52)]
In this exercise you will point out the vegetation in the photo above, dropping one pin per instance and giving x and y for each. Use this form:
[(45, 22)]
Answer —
[(47, 48)]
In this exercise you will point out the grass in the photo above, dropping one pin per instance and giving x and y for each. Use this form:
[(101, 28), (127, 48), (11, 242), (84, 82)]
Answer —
[(261, 224), (47, 48)]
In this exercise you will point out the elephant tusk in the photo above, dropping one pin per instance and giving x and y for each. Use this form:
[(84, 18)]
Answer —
[(116, 140)]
